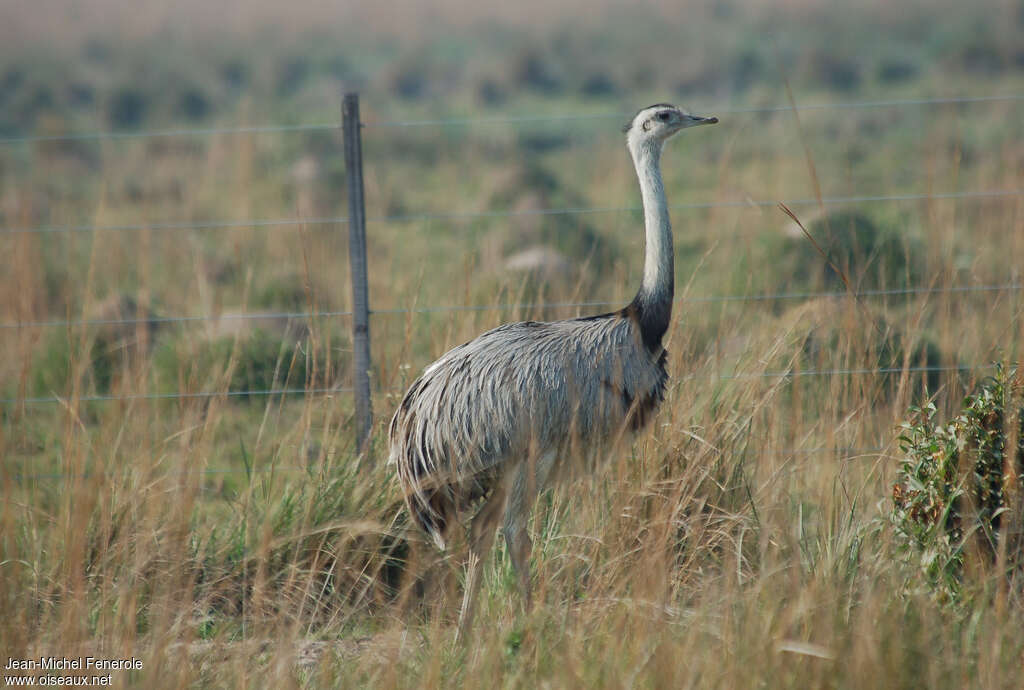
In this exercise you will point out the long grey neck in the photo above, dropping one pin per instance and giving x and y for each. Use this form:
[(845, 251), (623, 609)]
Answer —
[(653, 302)]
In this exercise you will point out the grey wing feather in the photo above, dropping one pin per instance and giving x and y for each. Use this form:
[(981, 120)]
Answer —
[(518, 389)]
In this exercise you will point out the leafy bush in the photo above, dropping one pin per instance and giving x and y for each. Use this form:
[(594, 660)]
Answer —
[(51, 367), (832, 333), (897, 70), (534, 72), (284, 290), (953, 500), (599, 85), (490, 92), (872, 255), (114, 343), (411, 80), (235, 74), (291, 76), (834, 72), (127, 108), (193, 104), (263, 360)]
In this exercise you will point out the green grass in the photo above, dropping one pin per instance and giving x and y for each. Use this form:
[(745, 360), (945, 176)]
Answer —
[(744, 539)]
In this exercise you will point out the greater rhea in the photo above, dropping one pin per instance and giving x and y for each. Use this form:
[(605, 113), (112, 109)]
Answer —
[(496, 420)]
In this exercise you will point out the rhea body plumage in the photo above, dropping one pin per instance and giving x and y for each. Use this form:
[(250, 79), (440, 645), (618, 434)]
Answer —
[(498, 419)]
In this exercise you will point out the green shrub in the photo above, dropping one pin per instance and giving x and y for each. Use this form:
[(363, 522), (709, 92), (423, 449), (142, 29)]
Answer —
[(235, 74), (532, 186), (193, 104), (114, 344), (871, 255), (292, 74), (51, 366), (954, 497), (285, 290), (599, 85), (127, 108), (264, 360), (896, 70), (834, 72), (321, 527), (534, 72), (838, 334)]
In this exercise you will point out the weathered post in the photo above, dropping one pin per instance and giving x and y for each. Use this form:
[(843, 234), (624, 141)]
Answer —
[(357, 262)]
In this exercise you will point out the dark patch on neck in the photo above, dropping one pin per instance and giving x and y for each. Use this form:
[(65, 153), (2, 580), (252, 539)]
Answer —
[(652, 314), (640, 407)]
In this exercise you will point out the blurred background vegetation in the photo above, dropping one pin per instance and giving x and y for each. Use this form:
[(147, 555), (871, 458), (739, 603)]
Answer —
[(472, 109), (99, 70)]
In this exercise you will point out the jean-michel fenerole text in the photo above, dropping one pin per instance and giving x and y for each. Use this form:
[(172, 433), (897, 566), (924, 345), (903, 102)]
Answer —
[(63, 663)]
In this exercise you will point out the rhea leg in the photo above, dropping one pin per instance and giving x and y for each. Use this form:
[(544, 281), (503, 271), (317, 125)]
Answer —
[(519, 548), (530, 479), (481, 537)]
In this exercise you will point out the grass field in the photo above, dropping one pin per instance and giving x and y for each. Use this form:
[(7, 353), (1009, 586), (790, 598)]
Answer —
[(159, 504)]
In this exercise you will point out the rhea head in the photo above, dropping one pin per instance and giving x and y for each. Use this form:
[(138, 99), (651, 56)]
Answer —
[(654, 125)]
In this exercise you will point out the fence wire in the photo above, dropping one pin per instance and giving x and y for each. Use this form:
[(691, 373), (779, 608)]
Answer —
[(510, 213), (176, 395), (512, 120), (245, 316), (729, 110), (536, 306), (847, 453), (775, 296), (842, 372), (501, 119), (324, 391)]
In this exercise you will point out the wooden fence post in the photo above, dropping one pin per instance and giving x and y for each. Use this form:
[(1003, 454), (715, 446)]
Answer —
[(357, 262)]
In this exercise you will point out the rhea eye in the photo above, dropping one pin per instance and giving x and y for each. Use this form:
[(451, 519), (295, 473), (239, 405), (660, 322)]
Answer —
[(664, 116)]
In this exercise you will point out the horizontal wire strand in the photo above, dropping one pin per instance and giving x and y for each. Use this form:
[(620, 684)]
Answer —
[(170, 132), (506, 213), (719, 298), (317, 391), (850, 453), (245, 316), (176, 395), (843, 372), (299, 316), (500, 119), (509, 213), (731, 110)]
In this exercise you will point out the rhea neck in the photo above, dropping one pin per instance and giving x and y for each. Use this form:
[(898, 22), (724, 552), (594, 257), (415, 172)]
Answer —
[(652, 306)]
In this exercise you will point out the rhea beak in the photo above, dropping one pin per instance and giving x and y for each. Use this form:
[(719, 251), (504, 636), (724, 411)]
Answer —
[(698, 120)]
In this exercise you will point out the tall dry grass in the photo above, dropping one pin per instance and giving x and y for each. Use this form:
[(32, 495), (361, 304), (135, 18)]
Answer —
[(741, 541)]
